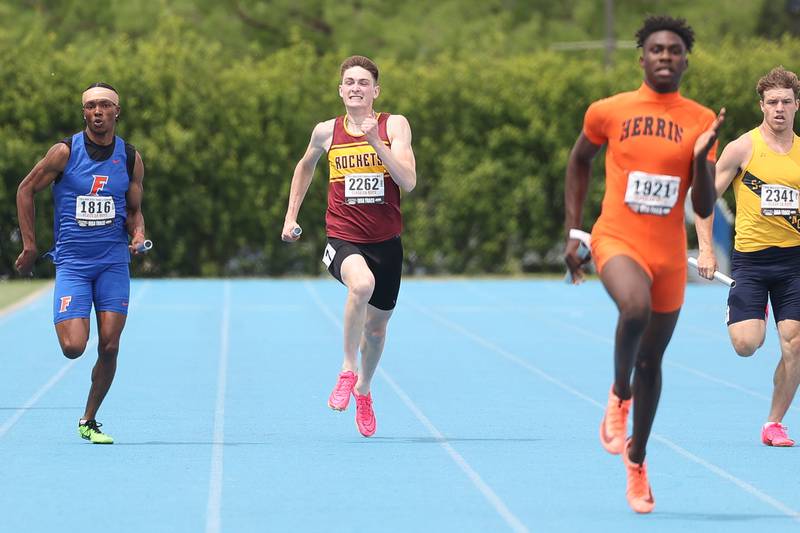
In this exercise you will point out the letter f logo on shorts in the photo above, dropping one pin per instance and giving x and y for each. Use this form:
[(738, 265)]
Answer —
[(98, 184), (65, 301)]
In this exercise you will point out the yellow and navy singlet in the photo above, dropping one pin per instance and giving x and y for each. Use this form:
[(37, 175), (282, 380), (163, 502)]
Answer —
[(363, 199), (766, 192)]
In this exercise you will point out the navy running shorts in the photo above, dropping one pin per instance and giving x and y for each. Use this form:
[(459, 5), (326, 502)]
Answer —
[(770, 273)]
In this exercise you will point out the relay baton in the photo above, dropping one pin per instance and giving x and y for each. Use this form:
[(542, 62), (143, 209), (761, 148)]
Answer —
[(146, 246), (296, 232), (719, 276), (584, 248)]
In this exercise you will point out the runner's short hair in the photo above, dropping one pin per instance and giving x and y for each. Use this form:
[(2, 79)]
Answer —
[(778, 78), (656, 23), (360, 61), (102, 84)]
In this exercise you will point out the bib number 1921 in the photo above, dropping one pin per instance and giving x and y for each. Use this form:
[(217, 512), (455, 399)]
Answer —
[(652, 194)]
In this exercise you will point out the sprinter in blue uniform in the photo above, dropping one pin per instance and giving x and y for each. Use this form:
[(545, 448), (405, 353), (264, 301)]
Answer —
[(97, 195)]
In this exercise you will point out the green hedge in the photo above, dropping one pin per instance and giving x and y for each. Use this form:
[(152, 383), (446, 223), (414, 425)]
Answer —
[(220, 139)]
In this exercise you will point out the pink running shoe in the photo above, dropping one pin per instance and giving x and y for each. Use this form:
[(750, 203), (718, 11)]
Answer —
[(638, 492), (614, 426), (774, 434), (365, 416), (340, 396)]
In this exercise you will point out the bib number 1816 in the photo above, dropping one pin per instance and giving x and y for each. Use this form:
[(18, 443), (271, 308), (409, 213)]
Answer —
[(93, 210)]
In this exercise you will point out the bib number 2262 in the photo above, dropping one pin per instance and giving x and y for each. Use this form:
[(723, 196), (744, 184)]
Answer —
[(364, 188)]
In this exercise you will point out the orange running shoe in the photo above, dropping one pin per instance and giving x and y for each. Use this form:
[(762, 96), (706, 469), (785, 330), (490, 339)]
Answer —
[(774, 434), (340, 396), (639, 494), (365, 416), (614, 427)]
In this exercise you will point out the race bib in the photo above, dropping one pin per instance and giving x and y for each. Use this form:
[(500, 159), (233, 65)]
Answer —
[(652, 194), (93, 211), (327, 255), (365, 188), (778, 200)]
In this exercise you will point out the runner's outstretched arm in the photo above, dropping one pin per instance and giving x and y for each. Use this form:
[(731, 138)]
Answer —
[(42, 175), (703, 190), (579, 170), (133, 205), (303, 174), (727, 168)]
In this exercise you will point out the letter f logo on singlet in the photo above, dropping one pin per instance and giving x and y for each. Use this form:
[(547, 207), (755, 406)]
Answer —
[(65, 301), (98, 184)]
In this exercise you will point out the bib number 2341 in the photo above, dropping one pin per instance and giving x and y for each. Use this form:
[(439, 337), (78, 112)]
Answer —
[(777, 200)]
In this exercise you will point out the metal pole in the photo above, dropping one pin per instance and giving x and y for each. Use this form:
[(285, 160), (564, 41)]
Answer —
[(610, 41)]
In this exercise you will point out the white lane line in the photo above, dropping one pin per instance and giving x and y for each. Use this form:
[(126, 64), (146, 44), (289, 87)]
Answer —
[(499, 505), (213, 510), (721, 381), (709, 334), (14, 418), (6, 312), (668, 362), (748, 488), (54, 379), (494, 500)]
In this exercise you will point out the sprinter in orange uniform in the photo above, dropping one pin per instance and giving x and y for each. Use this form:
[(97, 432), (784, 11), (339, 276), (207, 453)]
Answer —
[(659, 144)]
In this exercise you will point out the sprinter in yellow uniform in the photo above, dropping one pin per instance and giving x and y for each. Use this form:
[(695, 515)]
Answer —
[(764, 166)]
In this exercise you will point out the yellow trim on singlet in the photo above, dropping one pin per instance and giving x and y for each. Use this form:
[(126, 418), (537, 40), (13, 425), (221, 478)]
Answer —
[(755, 231), (348, 145), (353, 159), (351, 133), (352, 145)]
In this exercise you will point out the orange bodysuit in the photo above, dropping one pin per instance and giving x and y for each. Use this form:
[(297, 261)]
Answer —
[(650, 139)]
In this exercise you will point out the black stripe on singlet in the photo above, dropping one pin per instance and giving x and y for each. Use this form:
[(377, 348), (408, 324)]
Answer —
[(754, 183)]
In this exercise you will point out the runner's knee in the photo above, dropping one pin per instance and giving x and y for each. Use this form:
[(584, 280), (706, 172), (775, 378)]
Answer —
[(362, 287), (73, 348), (634, 314), (375, 333), (746, 347), (108, 348), (648, 371), (791, 351)]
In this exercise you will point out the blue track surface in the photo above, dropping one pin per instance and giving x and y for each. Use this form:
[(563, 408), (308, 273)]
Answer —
[(488, 399)]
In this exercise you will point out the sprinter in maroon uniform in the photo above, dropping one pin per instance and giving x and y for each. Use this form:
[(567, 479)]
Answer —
[(370, 161)]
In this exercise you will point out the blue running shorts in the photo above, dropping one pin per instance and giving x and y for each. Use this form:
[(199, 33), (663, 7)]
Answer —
[(108, 286)]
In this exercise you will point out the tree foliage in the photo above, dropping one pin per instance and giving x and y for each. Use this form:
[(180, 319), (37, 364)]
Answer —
[(410, 30), (221, 120)]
